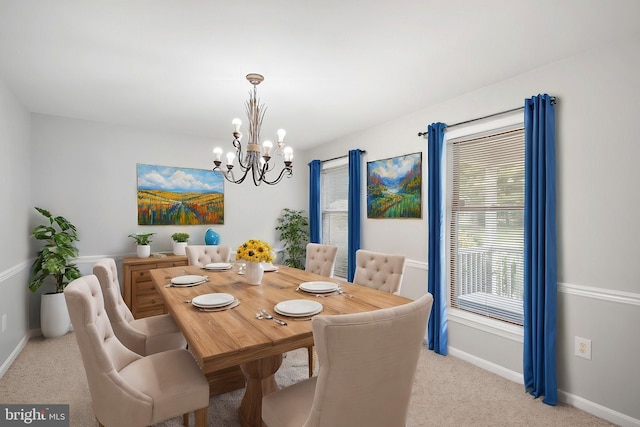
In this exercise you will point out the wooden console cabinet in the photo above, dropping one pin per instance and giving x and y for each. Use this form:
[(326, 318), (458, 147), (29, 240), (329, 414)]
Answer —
[(139, 293)]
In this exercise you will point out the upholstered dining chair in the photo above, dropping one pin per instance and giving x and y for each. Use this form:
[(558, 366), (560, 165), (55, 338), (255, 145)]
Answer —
[(379, 270), (128, 389), (144, 336), (202, 255), (367, 367), (320, 259)]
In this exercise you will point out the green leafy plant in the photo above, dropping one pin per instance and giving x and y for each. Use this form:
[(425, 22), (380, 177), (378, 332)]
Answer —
[(180, 237), (55, 258), (294, 232), (142, 238)]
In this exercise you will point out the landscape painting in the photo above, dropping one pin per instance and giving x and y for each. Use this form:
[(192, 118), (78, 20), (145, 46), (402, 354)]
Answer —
[(169, 196), (394, 187)]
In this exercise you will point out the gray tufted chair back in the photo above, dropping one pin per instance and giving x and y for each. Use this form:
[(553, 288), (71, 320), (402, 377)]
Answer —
[(202, 255), (379, 271), (321, 259)]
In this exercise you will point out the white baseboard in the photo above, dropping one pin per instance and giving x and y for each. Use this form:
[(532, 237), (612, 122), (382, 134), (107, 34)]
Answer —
[(14, 354), (600, 411), (487, 366), (592, 408)]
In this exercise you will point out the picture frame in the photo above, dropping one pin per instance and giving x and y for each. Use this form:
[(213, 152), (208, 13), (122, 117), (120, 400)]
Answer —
[(394, 187), (170, 195)]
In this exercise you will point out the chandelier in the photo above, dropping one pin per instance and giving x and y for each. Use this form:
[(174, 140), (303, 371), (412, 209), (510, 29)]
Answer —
[(257, 160)]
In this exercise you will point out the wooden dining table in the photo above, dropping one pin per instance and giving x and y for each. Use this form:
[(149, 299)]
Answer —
[(233, 347)]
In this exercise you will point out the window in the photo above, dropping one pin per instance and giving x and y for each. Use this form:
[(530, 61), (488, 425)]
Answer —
[(486, 223), (334, 187)]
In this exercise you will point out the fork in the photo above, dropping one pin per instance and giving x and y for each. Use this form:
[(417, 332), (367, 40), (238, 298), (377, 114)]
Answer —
[(340, 291), (266, 315)]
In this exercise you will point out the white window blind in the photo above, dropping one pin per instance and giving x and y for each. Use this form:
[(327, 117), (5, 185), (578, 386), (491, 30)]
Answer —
[(334, 186), (486, 219)]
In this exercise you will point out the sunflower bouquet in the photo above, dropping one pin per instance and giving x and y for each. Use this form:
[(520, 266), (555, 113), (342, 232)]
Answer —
[(255, 251)]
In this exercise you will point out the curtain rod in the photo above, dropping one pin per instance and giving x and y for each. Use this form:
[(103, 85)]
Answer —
[(339, 157), (553, 101)]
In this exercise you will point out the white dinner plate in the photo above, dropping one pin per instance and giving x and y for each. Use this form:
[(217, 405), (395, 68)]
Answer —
[(298, 308), (187, 285), (213, 300), (218, 266), (189, 279), (319, 287), (269, 267)]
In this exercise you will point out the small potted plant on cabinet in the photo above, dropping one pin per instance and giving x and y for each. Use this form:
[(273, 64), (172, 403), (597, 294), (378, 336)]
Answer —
[(179, 243), (143, 240), (54, 260)]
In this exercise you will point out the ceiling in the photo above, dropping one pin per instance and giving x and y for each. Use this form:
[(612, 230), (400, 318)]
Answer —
[(331, 67)]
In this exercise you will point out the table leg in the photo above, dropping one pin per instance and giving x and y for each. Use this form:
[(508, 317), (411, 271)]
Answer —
[(225, 380), (260, 375)]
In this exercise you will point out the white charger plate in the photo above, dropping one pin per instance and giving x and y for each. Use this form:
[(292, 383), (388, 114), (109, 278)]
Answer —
[(218, 266), (298, 308), (188, 279), (214, 300), (319, 287)]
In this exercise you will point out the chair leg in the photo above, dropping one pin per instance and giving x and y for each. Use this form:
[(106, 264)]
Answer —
[(201, 417), (185, 420), (310, 351)]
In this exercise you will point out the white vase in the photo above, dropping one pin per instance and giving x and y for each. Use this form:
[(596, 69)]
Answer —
[(54, 316), (143, 251), (179, 248), (254, 273)]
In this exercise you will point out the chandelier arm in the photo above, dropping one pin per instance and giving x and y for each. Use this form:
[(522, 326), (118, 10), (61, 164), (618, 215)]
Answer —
[(269, 166), (288, 171), (238, 146)]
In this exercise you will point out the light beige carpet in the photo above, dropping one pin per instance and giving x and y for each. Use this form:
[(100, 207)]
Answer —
[(447, 391)]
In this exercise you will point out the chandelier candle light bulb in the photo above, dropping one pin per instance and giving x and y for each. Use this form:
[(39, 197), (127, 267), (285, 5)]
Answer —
[(281, 134), (267, 146), (230, 157), (236, 125), (217, 153), (288, 154)]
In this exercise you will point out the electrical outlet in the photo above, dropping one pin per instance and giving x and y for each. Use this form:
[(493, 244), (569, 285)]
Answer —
[(4, 322), (583, 348)]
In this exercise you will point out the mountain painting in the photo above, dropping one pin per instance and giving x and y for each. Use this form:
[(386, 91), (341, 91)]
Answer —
[(394, 187), (169, 196)]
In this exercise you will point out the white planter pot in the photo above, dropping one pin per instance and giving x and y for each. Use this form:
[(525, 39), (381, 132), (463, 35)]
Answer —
[(54, 316), (143, 251), (179, 248)]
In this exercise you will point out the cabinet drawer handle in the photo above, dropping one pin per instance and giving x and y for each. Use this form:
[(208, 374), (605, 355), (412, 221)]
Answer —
[(153, 301)]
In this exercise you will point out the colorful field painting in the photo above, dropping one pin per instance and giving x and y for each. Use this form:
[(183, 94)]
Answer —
[(169, 196), (394, 187)]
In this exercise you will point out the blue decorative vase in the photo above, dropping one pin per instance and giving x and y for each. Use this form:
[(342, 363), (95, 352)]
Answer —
[(211, 237)]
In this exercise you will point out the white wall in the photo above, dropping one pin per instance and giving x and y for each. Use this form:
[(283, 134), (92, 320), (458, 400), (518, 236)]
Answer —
[(86, 172), (14, 228), (598, 202)]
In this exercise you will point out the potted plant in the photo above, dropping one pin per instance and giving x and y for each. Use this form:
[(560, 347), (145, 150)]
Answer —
[(254, 252), (55, 260), (143, 240), (179, 243), (294, 233)]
